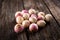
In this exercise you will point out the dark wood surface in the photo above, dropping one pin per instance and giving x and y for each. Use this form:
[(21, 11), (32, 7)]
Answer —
[(7, 19), (54, 6)]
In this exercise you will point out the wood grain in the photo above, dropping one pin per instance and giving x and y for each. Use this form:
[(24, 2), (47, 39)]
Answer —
[(54, 27), (7, 20), (9, 7), (30, 4), (51, 31), (54, 7)]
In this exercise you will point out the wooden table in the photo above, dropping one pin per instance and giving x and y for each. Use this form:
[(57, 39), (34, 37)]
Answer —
[(7, 20)]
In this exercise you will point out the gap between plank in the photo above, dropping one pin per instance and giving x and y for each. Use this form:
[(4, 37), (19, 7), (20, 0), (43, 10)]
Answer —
[(25, 29), (51, 13)]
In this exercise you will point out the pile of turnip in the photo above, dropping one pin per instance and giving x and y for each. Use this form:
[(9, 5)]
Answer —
[(30, 19)]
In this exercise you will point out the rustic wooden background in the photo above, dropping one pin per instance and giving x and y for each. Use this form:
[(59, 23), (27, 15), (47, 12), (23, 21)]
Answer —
[(7, 20)]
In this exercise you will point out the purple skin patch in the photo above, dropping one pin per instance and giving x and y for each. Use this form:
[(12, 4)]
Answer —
[(19, 29), (39, 18), (33, 28), (18, 15), (34, 15), (25, 11)]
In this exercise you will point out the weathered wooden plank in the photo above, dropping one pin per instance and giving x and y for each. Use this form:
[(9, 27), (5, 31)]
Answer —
[(21, 36), (0, 5), (54, 6), (51, 31), (0, 17), (53, 27), (27, 5), (9, 7)]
